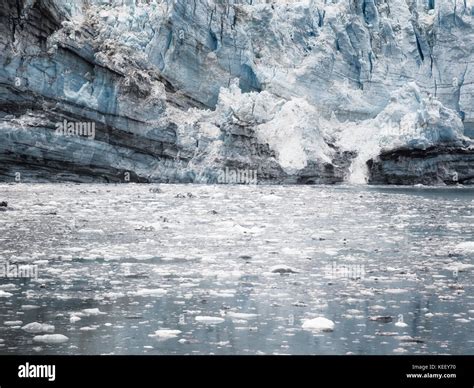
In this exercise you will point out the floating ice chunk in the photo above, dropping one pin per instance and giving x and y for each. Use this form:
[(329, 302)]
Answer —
[(319, 324), (401, 324), (164, 334), (210, 320), (29, 307), (400, 350), (299, 304), (462, 320), (291, 251), (460, 267), (88, 328), (74, 319), (395, 291), (92, 312), (150, 292), (409, 339), (36, 327), (51, 338), (386, 333), (222, 294), (429, 315), (381, 319), (354, 311), (13, 323), (465, 247), (113, 295), (4, 294), (446, 297), (71, 249), (243, 316), (8, 287), (90, 231), (282, 269)]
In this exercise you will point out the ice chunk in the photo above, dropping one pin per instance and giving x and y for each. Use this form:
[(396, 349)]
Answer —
[(243, 316), (36, 327), (88, 328), (210, 320), (465, 247), (319, 324), (395, 291), (13, 323), (282, 269), (164, 334), (400, 350), (401, 324), (150, 292), (74, 319), (460, 267), (29, 307), (51, 338), (381, 318), (92, 312)]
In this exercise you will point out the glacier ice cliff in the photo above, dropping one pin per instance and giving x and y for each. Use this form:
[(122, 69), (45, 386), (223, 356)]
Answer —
[(315, 91)]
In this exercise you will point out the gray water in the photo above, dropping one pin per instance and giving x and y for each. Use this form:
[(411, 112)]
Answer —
[(151, 261)]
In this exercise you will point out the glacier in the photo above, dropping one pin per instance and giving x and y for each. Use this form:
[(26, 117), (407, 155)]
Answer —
[(314, 91)]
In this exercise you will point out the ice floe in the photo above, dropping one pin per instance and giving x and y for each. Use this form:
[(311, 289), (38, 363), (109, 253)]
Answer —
[(209, 320), (13, 323), (27, 307), (92, 312), (74, 319), (401, 324), (36, 327), (395, 291), (400, 350), (164, 334), (319, 324), (51, 338), (282, 269), (381, 319), (243, 316), (150, 292), (465, 247)]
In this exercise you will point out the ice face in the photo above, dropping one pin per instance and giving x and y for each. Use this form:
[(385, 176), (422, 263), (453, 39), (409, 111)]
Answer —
[(303, 91)]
